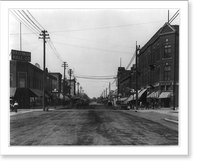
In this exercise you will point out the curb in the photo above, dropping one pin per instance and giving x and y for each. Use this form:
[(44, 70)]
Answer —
[(171, 120)]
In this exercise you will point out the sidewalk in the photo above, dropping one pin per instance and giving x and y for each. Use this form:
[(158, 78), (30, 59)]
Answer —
[(167, 111), (22, 111), (166, 117)]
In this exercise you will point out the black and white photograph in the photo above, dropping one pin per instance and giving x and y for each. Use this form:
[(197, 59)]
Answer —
[(95, 77)]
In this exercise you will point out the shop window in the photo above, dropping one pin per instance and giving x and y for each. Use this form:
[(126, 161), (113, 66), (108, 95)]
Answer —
[(168, 87), (22, 80), (167, 73), (162, 88)]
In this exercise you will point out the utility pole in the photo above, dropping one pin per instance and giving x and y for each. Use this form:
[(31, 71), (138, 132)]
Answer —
[(70, 75), (168, 16), (78, 88), (109, 89), (174, 85), (20, 36), (64, 65), (44, 35), (81, 91), (136, 74)]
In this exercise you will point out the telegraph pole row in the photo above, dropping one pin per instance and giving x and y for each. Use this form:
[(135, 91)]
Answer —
[(44, 35)]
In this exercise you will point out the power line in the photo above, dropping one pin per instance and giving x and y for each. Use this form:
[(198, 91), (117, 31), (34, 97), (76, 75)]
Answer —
[(32, 20), (114, 81), (18, 18), (35, 48), (133, 57), (54, 50), (92, 48), (30, 24), (37, 30), (106, 27), (174, 16), (36, 20), (53, 54), (95, 78), (27, 43), (105, 43)]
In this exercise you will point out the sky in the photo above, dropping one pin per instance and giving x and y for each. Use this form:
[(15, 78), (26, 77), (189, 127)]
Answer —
[(91, 41)]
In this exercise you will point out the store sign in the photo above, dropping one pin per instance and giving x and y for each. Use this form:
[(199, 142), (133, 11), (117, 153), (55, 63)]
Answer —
[(21, 55)]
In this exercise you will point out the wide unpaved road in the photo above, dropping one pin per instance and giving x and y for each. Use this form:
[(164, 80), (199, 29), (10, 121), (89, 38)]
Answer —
[(97, 125)]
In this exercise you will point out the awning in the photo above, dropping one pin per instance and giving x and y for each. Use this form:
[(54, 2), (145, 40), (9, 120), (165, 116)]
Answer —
[(12, 91), (134, 96), (153, 95), (37, 92), (130, 98), (165, 95), (123, 99), (141, 93)]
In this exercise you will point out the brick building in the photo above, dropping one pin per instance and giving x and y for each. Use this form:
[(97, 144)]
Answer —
[(157, 69), (158, 64), (125, 81), (26, 84)]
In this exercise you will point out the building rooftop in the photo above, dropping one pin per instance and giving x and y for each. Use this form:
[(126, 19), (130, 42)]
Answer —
[(165, 29)]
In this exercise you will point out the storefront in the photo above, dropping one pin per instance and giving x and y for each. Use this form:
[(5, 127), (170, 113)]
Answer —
[(153, 100), (165, 99), (26, 81)]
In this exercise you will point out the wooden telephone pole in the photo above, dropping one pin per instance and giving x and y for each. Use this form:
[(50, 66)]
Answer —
[(64, 65), (70, 75), (44, 35), (136, 74)]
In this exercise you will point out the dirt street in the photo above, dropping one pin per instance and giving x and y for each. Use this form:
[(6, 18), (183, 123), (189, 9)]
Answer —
[(97, 125)]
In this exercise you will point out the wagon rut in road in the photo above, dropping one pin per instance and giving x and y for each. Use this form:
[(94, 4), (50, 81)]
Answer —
[(89, 127)]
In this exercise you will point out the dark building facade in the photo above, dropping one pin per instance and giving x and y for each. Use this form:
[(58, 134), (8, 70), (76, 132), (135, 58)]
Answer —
[(58, 77), (26, 84), (125, 81), (158, 65)]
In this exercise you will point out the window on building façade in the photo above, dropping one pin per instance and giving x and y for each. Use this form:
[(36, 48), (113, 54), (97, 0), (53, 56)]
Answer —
[(167, 51), (167, 73)]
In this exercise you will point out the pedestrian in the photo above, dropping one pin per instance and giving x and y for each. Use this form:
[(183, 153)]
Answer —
[(15, 106), (140, 105), (46, 105), (32, 104), (147, 105)]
